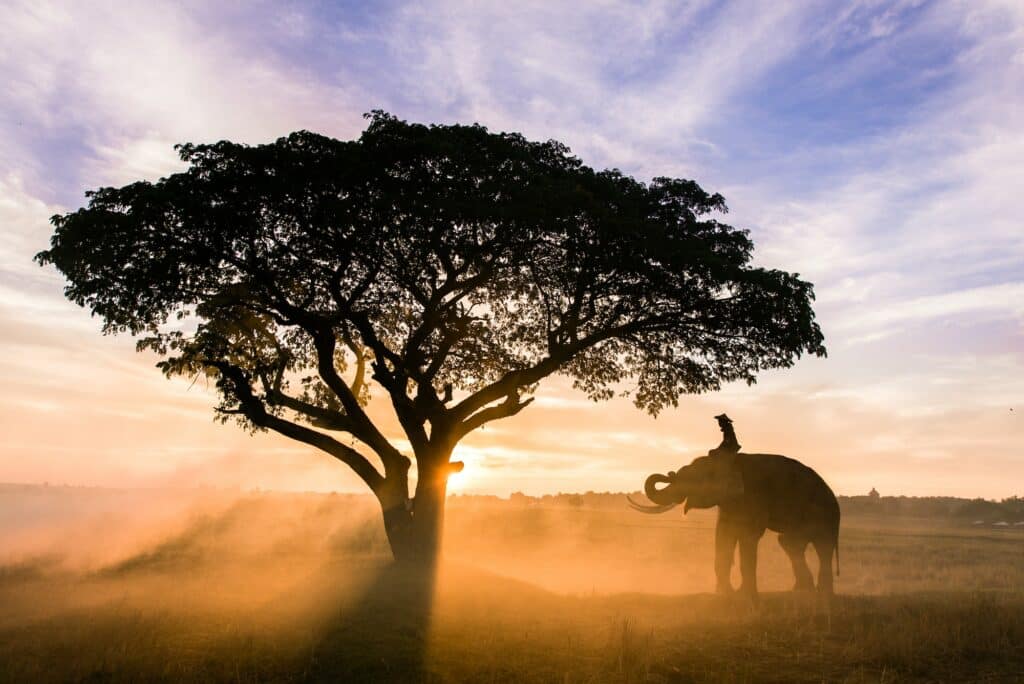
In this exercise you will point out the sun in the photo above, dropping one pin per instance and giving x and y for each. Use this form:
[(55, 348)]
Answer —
[(470, 476)]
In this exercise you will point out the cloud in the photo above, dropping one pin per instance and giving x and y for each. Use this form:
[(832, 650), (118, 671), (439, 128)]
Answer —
[(1005, 300), (924, 224), (624, 84), (128, 80), (24, 221)]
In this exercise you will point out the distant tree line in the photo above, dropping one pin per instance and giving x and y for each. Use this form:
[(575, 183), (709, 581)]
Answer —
[(949, 508), (963, 510)]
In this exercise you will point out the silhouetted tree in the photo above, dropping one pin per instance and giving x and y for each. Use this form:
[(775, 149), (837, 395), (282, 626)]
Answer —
[(454, 267)]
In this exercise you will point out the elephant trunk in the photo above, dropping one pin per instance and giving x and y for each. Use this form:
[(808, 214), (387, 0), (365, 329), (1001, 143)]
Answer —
[(663, 499), (662, 496)]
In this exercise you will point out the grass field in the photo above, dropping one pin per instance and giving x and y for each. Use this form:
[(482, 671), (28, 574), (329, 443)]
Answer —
[(295, 588)]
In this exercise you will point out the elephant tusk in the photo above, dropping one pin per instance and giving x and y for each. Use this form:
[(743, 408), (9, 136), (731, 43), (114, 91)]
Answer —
[(651, 509)]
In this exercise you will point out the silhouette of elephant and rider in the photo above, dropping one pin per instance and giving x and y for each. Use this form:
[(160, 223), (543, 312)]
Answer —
[(755, 493)]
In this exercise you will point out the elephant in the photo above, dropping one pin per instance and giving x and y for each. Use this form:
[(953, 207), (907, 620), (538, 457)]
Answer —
[(754, 493)]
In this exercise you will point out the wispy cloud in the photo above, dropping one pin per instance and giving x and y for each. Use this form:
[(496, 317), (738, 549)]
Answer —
[(101, 93)]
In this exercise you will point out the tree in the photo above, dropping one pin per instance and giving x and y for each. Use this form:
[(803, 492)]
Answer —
[(451, 267)]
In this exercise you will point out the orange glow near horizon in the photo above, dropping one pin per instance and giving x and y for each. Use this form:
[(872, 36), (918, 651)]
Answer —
[(121, 424)]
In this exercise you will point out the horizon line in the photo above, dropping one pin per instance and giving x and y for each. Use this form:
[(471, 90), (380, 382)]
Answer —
[(507, 497)]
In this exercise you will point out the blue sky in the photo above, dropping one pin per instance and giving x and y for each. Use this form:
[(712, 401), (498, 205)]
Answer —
[(875, 147)]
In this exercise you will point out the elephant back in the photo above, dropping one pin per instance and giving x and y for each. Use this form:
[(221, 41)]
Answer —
[(786, 494)]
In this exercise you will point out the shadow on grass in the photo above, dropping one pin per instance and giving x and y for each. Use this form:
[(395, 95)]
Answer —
[(293, 620), (381, 637)]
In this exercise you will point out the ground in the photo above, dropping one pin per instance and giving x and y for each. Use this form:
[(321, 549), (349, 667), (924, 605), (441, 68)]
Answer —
[(296, 589)]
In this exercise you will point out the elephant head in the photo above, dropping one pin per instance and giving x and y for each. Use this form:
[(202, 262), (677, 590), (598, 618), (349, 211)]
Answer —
[(707, 482)]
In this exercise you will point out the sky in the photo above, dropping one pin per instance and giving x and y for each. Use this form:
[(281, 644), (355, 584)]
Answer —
[(874, 147)]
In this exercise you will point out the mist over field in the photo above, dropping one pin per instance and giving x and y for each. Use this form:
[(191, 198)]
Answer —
[(569, 543), (209, 585)]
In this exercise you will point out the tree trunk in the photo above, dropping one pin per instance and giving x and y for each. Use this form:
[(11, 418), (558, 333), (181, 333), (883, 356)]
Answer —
[(414, 528)]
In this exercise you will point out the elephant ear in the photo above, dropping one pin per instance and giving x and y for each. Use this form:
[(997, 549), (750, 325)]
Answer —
[(727, 479)]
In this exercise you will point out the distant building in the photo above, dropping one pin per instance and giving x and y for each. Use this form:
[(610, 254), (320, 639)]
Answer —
[(874, 494), (520, 499)]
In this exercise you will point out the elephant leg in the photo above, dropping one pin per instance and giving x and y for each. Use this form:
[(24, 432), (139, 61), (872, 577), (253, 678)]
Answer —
[(748, 561), (725, 549), (794, 547), (824, 548)]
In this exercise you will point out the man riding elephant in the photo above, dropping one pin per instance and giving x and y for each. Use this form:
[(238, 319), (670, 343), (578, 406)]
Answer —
[(755, 493), (729, 443)]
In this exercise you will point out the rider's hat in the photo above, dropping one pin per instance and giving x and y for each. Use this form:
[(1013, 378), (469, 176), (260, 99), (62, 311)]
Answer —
[(723, 417)]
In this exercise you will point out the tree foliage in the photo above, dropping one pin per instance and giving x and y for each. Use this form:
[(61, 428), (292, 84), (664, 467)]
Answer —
[(453, 266)]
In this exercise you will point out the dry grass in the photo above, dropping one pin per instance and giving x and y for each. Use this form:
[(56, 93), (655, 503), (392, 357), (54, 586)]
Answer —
[(293, 589)]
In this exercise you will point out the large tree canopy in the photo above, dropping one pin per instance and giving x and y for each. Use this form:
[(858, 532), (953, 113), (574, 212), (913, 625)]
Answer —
[(454, 267)]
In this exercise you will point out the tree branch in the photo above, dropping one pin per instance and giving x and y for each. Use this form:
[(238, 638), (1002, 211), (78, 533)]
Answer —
[(523, 377), (510, 407), (395, 382), (362, 427), (253, 409), (358, 382), (321, 417)]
